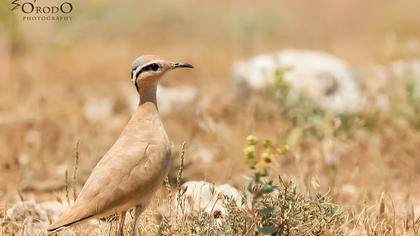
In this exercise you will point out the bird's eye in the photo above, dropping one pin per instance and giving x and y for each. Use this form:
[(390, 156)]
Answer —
[(154, 67)]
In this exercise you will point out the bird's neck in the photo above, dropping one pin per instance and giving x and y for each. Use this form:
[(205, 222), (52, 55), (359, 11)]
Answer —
[(147, 94)]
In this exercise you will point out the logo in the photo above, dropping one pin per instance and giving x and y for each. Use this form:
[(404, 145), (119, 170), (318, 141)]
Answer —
[(33, 10), (15, 5)]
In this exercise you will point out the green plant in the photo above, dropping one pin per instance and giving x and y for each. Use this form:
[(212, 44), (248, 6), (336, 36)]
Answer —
[(413, 99), (269, 207), (313, 121), (277, 208)]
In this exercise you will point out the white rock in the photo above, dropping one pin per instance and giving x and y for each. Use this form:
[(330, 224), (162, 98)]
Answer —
[(230, 191), (22, 210), (405, 69), (349, 192), (34, 216), (380, 79), (326, 79), (201, 153), (204, 196), (169, 98), (98, 109), (204, 155)]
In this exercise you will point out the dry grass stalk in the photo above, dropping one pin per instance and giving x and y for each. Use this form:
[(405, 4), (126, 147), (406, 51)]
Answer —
[(75, 168)]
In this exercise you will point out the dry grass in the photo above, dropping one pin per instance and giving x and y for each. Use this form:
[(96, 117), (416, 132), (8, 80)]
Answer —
[(369, 167)]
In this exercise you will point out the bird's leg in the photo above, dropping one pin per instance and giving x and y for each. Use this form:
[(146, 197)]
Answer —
[(121, 226), (139, 209)]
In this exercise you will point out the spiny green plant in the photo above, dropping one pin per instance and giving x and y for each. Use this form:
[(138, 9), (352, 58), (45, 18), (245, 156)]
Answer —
[(277, 207), (269, 207)]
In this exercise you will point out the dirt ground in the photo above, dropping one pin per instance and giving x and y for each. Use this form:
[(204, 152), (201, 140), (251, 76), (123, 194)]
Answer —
[(50, 72)]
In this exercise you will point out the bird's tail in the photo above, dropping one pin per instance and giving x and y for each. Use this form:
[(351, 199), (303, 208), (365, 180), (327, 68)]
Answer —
[(69, 218)]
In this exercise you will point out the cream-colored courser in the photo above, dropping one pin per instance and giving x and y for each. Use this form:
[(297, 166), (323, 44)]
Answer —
[(136, 165)]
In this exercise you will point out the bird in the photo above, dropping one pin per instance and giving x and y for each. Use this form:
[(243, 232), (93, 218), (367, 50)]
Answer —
[(131, 171)]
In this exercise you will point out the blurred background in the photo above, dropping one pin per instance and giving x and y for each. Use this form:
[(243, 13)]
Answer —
[(67, 82)]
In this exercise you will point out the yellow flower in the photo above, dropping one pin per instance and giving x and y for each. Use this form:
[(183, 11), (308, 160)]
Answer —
[(283, 150), (251, 139)]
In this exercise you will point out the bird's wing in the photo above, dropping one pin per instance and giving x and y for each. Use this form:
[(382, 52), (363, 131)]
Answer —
[(129, 169)]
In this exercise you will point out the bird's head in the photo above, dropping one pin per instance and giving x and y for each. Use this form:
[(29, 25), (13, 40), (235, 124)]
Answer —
[(147, 69)]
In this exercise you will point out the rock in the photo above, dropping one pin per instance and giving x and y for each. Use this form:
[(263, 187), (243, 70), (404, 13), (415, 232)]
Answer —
[(200, 153), (383, 80), (31, 218), (349, 193), (169, 98), (98, 109), (405, 69), (326, 79), (22, 210), (204, 155), (35, 217), (204, 196)]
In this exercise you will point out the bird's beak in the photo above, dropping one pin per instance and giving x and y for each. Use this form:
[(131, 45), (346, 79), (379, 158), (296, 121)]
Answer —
[(181, 65)]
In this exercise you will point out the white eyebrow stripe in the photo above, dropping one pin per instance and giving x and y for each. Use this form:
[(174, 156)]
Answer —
[(136, 72)]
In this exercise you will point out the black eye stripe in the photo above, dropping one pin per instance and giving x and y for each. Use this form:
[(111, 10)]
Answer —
[(151, 67)]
